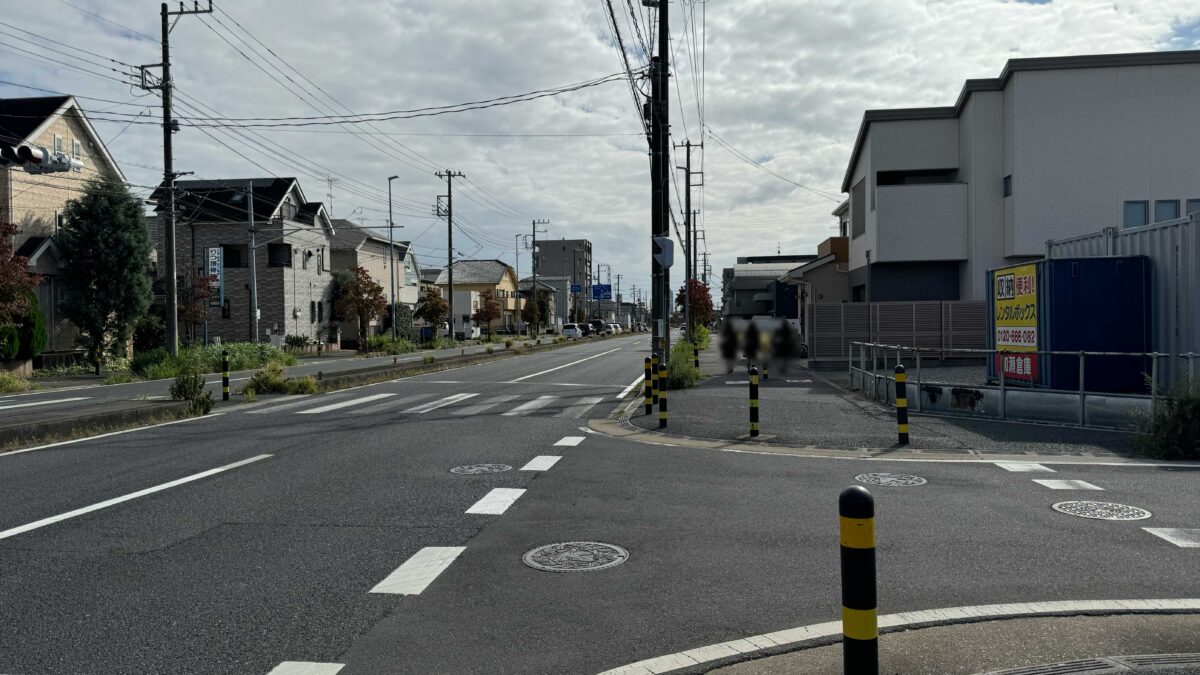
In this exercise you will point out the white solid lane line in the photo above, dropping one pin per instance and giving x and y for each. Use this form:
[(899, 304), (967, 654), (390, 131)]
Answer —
[(570, 441), (565, 365), (440, 403), (111, 433), (306, 668), (529, 406), (57, 400), (633, 384), (294, 402), (1183, 538), (419, 571), (577, 409), (1023, 467), (133, 495), (484, 406), (496, 502), (344, 404), (1067, 484), (541, 463)]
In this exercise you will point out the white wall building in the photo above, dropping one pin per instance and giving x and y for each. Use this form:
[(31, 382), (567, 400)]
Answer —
[(1051, 148)]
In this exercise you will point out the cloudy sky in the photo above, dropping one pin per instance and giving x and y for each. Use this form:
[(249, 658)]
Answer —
[(784, 82)]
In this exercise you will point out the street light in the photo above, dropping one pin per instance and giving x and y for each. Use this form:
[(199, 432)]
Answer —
[(391, 260)]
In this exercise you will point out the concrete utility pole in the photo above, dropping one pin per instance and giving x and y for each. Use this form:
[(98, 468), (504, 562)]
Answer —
[(391, 261), (254, 314), (450, 176), (169, 175), (660, 176), (537, 304), (617, 297)]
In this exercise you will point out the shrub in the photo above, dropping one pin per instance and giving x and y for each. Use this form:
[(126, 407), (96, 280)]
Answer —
[(295, 341), (142, 361), (302, 385), (384, 343), (269, 380), (508, 344), (491, 350), (10, 383), (248, 394), (1172, 430), (149, 332), (681, 369), (441, 343), (121, 377), (10, 342), (427, 359), (32, 330), (701, 337), (188, 386)]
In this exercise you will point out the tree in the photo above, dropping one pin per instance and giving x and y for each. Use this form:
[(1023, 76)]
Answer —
[(489, 309), (193, 303), (357, 296), (433, 309), (536, 310), (701, 309), (105, 250), (16, 283)]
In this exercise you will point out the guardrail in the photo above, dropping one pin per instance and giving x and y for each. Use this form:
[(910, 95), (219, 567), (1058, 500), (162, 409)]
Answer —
[(871, 367)]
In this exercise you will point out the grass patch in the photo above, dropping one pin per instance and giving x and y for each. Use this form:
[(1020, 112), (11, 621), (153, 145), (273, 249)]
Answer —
[(385, 344), (271, 380), (157, 364), (10, 384), (1172, 430), (681, 369)]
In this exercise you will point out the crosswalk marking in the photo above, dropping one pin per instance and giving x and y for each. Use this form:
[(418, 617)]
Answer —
[(389, 404), (440, 403), (569, 441), (1067, 484), (295, 402), (529, 406), (1181, 537), (541, 463), (1025, 467), (484, 406), (577, 409), (419, 571), (344, 404), (306, 668), (496, 502)]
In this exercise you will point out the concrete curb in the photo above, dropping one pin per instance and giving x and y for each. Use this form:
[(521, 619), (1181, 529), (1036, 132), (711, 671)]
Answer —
[(35, 433)]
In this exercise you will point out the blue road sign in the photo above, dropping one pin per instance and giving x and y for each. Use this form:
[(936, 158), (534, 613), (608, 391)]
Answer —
[(602, 291), (576, 288)]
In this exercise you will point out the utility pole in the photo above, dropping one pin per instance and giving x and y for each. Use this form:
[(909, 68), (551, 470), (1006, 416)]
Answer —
[(169, 175), (517, 265), (689, 235), (253, 262), (391, 262), (618, 298), (450, 176), (660, 176), (537, 303)]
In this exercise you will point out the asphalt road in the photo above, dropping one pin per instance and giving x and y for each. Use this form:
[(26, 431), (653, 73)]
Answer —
[(313, 503)]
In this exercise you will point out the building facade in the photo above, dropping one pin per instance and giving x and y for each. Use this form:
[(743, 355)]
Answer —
[(353, 246), (1051, 148), (567, 259), (480, 276)]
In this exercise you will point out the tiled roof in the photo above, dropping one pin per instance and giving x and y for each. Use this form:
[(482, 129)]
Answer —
[(475, 272), (225, 200)]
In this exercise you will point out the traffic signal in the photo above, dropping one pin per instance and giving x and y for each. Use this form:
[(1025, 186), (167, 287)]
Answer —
[(37, 159)]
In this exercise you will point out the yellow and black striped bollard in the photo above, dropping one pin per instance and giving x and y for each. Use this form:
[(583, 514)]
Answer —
[(766, 369), (754, 402), (902, 404), (662, 396), (224, 376), (655, 385), (696, 357), (648, 384), (860, 621)]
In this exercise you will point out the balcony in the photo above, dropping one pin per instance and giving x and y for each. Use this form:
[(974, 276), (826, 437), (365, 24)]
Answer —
[(921, 222)]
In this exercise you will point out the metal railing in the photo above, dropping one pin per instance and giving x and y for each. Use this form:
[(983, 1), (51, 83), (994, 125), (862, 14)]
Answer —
[(869, 371)]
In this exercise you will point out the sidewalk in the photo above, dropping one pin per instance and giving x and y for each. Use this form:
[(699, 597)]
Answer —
[(801, 408)]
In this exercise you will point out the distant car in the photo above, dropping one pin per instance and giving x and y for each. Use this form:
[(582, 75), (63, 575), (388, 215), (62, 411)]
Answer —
[(616, 328), (572, 330), (598, 327)]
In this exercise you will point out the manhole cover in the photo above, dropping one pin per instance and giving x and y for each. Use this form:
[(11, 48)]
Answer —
[(890, 479), (1101, 510), (476, 469), (575, 556)]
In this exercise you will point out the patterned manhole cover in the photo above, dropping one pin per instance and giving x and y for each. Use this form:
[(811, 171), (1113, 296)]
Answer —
[(1101, 510), (476, 469), (575, 556), (890, 479)]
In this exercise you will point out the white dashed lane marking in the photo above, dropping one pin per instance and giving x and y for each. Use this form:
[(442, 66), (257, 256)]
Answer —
[(440, 403), (1183, 538), (569, 441), (496, 502), (344, 404), (1025, 467), (1066, 484), (529, 406), (541, 463), (419, 571), (306, 668)]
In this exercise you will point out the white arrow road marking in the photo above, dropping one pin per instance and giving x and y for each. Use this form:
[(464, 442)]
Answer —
[(419, 571), (133, 495)]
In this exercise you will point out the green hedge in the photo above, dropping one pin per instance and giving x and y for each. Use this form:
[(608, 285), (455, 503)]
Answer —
[(157, 364)]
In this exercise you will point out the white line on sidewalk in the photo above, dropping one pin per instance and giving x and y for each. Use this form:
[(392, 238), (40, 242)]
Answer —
[(577, 409), (344, 404), (570, 441), (419, 571), (31, 404), (440, 403), (294, 402), (565, 365), (306, 668), (133, 495), (496, 502), (1023, 467), (633, 384), (541, 463), (529, 406), (1066, 484), (1183, 538), (111, 433)]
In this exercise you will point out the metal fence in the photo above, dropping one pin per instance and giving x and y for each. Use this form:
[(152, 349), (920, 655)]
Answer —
[(944, 326), (872, 366)]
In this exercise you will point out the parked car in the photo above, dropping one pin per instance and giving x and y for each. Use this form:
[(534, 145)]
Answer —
[(572, 330), (616, 328), (598, 327)]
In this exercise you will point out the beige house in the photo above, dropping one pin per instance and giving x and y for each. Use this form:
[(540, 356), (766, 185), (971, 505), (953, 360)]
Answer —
[(353, 247), (34, 200), (480, 276)]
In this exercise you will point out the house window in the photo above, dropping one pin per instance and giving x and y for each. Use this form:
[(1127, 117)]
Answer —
[(235, 255), (1166, 209), (225, 309), (289, 210), (858, 203), (58, 144), (1193, 205), (279, 255), (312, 311), (1137, 213), (77, 153), (320, 311), (320, 261), (1008, 185)]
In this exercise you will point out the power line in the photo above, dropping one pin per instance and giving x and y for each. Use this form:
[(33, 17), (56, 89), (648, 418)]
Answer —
[(745, 158)]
